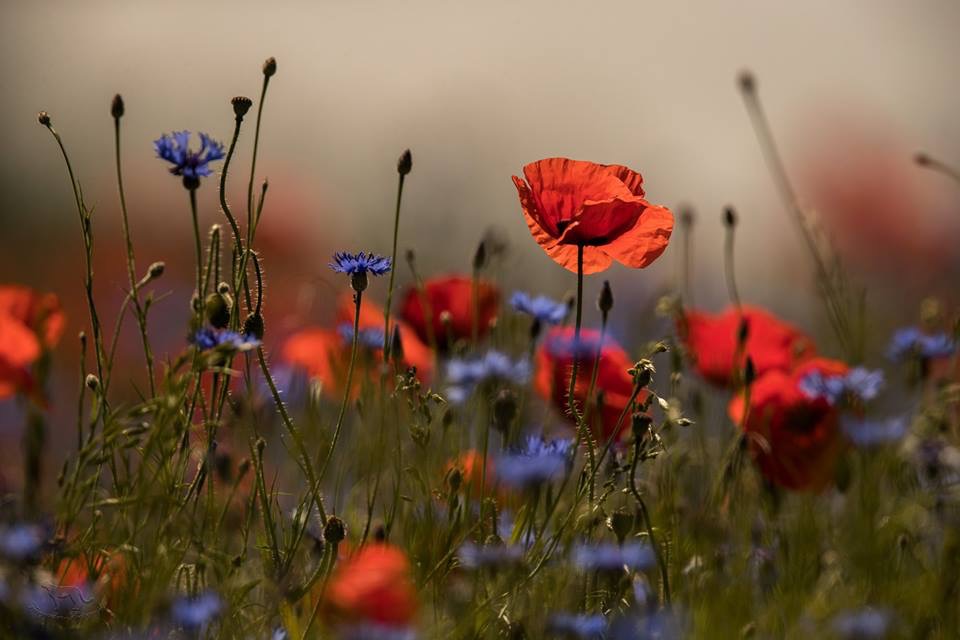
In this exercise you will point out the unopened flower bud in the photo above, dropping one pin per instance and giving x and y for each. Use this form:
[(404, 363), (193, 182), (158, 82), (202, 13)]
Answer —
[(922, 159), (640, 425), (156, 270), (621, 523), (253, 326), (455, 479), (243, 468), (405, 163), (116, 107), (747, 81), (270, 66), (743, 332), (217, 310), (334, 531), (686, 217), (261, 445), (605, 300), (749, 372), (643, 373), (92, 382), (43, 118), (396, 345), (241, 104), (729, 217)]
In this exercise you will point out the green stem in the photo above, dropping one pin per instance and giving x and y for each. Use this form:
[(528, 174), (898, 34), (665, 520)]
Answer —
[(648, 525), (393, 271), (198, 246)]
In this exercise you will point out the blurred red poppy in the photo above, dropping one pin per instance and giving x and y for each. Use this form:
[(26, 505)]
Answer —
[(601, 207), (771, 343), (554, 365), (373, 586), (453, 295), (795, 440), (29, 324)]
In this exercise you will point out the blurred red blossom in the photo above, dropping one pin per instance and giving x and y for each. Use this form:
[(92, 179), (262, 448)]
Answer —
[(454, 295), (30, 323), (373, 586)]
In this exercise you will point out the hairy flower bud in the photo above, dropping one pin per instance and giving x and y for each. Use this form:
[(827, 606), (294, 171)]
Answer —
[(334, 531), (217, 310), (253, 326), (729, 217), (747, 81), (116, 107), (156, 269)]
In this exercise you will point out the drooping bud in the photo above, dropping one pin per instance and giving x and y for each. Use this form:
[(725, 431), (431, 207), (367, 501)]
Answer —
[(270, 66), (405, 163), (116, 107), (155, 270), (640, 425), (480, 257), (334, 531), (621, 523), (241, 104), (43, 118), (605, 300)]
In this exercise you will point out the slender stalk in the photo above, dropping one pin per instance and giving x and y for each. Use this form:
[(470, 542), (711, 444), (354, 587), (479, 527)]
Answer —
[(730, 225), (583, 433), (928, 162), (253, 162), (237, 240), (393, 271), (131, 262), (648, 524), (198, 246), (358, 296)]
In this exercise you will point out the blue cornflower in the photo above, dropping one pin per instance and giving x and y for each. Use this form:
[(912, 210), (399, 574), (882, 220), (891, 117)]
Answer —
[(369, 337), (353, 264), (562, 344), (912, 341), (863, 624), (464, 375), (870, 433), (537, 462), (20, 542), (613, 557), (209, 338), (543, 309), (577, 625), (474, 556), (196, 612), (192, 165), (860, 383)]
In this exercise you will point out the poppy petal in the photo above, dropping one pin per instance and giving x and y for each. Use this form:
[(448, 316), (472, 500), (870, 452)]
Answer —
[(641, 245), (629, 177)]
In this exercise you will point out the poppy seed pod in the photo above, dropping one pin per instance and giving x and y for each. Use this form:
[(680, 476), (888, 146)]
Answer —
[(270, 66), (116, 107), (241, 104), (405, 163), (334, 531)]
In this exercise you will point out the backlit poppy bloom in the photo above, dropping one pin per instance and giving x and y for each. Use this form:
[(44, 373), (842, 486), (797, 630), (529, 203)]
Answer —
[(570, 203), (453, 295), (554, 364), (771, 343), (795, 439), (29, 324), (373, 586)]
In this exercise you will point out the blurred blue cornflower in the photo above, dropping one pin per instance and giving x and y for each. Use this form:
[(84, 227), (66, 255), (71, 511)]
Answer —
[(475, 556), (577, 625), (211, 338), (360, 263), (862, 624), (20, 542), (607, 556), (196, 612), (375, 631), (861, 383), (865, 433), (368, 337), (565, 345), (912, 341), (541, 308), (192, 165), (464, 375), (537, 462)]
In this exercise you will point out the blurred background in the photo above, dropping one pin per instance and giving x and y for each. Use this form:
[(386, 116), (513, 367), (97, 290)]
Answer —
[(476, 90)]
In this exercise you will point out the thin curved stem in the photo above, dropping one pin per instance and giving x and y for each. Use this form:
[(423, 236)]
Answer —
[(648, 524), (393, 272)]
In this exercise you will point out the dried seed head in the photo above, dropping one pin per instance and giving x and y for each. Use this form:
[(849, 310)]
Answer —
[(241, 104)]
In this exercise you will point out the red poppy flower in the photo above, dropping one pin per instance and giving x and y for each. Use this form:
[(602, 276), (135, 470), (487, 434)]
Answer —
[(374, 586), (570, 203), (555, 364), (29, 323), (771, 343), (110, 570), (796, 440), (453, 295), (320, 353), (470, 464)]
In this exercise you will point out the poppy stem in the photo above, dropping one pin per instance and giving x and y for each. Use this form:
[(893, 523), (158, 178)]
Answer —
[(393, 271), (730, 225), (357, 297), (582, 431)]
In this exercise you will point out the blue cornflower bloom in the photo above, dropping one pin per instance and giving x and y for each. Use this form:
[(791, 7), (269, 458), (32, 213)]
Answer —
[(368, 337), (209, 338), (464, 375), (912, 341), (565, 345), (360, 263), (19, 542), (543, 309), (863, 384), (863, 624), (577, 625), (196, 612), (612, 557), (870, 433), (192, 165), (474, 556), (537, 462)]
